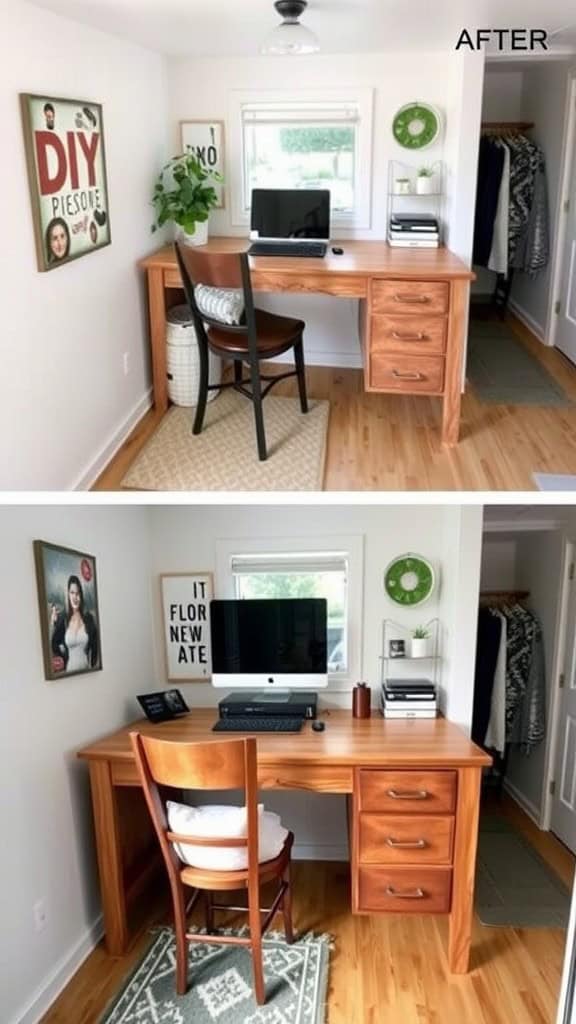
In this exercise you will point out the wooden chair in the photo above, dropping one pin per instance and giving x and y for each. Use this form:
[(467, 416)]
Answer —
[(229, 764), (263, 335)]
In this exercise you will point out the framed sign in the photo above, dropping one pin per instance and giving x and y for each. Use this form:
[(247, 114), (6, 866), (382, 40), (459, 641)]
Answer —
[(64, 142), (69, 617), (206, 140), (186, 617)]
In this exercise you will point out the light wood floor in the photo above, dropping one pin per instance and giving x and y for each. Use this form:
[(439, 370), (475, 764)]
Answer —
[(392, 443), (391, 968)]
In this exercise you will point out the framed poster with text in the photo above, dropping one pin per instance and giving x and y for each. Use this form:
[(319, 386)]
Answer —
[(206, 140), (69, 614), (64, 142), (186, 621)]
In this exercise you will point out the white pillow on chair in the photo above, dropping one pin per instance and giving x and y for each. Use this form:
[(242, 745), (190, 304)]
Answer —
[(224, 304), (221, 822)]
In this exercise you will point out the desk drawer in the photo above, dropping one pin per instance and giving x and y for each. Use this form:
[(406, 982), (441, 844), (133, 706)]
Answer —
[(407, 792), (409, 374), (410, 296), (403, 839), (405, 890), (414, 335)]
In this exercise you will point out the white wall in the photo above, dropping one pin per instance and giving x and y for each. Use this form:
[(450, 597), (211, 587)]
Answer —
[(48, 851), (201, 88), (502, 99), (499, 555), (185, 538), (66, 402), (544, 96)]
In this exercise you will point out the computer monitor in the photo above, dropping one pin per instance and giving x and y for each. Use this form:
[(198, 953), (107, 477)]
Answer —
[(290, 214), (270, 643)]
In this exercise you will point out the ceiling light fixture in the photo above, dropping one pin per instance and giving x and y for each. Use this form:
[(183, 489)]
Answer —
[(290, 38)]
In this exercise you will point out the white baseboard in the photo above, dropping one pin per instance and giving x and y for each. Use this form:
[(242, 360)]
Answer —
[(42, 999), (305, 851), (333, 360), (532, 324), (114, 442), (530, 808)]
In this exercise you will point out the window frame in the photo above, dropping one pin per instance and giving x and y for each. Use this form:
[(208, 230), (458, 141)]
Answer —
[(351, 545), (361, 98)]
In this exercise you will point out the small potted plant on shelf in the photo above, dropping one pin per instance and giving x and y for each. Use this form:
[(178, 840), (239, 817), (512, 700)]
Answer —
[(420, 642), (184, 193), (425, 181)]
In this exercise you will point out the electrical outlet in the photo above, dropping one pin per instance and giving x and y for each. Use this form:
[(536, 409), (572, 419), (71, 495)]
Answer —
[(40, 915), (126, 363)]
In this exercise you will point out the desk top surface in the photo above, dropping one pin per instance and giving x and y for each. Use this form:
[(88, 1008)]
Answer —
[(360, 258), (345, 741)]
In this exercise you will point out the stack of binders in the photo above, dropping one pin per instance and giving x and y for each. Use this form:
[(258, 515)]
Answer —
[(408, 698), (419, 231)]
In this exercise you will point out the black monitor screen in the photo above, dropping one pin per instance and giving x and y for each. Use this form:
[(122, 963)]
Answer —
[(269, 636), (291, 213)]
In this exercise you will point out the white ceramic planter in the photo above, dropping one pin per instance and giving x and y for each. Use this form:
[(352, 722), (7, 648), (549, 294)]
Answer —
[(402, 187), (200, 236), (424, 186), (420, 647)]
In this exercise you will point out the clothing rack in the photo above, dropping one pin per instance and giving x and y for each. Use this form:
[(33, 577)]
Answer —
[(505, 127), (504, 595)]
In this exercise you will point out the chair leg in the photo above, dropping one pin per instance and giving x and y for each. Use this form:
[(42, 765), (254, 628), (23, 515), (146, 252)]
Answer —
[(287, 906), (258, 414), (209, 912), (300, 369), (202, 388), (181, 941), (255, 925), (237, 371)]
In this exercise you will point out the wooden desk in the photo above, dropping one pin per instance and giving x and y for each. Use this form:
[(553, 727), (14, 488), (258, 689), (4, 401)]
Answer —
[(416, 782), (412, 312)]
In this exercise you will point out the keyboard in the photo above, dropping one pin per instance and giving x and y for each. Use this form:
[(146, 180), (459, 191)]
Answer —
[(288, 249), (254, 724)]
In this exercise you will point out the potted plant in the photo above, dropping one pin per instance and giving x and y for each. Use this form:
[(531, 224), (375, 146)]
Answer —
[(420, 643), (425, 181), (184, 193)]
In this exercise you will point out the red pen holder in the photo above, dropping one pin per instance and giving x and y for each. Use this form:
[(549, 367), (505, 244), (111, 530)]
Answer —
[(361, 697)]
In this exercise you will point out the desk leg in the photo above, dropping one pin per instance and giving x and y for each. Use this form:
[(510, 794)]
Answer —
[(109, 850), (467, 816), (157, 313), (454, 354)]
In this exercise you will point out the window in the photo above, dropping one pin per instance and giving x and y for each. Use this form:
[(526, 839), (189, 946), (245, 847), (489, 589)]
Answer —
[(303, 575), (329, 566), (312, 141)]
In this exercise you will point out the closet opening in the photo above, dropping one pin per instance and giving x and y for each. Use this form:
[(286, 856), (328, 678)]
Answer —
[(522, 328), (524, 714)]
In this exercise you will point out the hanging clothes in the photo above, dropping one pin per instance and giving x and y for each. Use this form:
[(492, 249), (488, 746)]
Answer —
[(490, 167), (498, 260), (510, 679), (496, 733), (511, 228)]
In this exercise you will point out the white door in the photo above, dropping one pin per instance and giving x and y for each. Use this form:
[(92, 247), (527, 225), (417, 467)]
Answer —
[(565, 337), (563, 819)]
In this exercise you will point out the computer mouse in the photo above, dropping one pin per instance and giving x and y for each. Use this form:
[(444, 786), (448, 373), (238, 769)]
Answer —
[(337, 250), (318, 726)]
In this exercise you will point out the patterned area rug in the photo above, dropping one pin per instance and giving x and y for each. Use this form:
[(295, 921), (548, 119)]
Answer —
[(224, 457), (502, 370), (554, 481), (221, 984), (514, 886)]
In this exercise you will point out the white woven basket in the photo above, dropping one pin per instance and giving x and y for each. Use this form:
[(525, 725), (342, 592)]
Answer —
[(183, 363)]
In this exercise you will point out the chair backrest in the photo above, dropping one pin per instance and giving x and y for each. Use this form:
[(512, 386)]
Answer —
[(228, 764), (216, 270)]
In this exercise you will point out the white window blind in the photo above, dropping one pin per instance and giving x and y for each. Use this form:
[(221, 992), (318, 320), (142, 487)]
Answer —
[(314, 562)]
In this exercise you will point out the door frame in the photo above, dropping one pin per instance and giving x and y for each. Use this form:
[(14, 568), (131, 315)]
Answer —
[(560, 219), (560, 648)]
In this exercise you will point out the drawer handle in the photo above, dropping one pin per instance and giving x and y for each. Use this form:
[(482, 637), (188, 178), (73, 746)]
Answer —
[(414, 894), (420, 336), (418, 299), (404, 844), (407, 794), (416, 375)]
